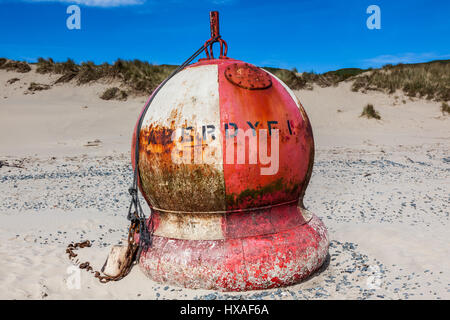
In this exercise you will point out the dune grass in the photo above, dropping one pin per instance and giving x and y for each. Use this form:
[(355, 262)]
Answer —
[(138, 76), (289, 77), (424, 80), (307, 79), (342, 74), (49, 66), (12, 65)]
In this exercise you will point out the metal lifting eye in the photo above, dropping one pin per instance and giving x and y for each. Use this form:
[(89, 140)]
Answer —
[(215, 34)]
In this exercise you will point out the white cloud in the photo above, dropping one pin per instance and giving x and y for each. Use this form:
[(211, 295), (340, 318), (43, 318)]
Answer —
[(97, 3), (404, 58)]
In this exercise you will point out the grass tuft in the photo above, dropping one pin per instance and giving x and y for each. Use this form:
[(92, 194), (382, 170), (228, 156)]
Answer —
[(38, 87), (13, 80), (370, 112), (17, 66), (114, 93), (445, 108)]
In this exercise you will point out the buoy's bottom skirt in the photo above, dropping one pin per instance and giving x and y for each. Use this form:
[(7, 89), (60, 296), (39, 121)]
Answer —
[(239, 264)]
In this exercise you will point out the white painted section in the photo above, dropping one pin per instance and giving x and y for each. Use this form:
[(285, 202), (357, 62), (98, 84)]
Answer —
[(191, 97), (197, 228)]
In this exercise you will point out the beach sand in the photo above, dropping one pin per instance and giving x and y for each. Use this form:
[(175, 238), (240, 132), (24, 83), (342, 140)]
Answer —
[(381, 188)]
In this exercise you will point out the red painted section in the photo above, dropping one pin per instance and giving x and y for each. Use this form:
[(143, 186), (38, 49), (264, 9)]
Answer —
[(239, 105), (260, 222)]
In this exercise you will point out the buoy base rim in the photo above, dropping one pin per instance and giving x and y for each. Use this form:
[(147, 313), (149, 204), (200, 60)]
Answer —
[(251, 263)]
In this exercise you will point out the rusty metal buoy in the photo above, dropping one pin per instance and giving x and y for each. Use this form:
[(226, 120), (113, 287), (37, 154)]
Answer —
[(225, 155)]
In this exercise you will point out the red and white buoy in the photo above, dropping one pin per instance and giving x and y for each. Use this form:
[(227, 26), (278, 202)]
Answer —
[(225, 155)]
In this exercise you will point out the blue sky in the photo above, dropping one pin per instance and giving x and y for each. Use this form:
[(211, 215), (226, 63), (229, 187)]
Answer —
[(318, 35)]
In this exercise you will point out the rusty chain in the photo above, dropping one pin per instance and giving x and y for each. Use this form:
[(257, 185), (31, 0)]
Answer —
[(132, 248), (137, 218)]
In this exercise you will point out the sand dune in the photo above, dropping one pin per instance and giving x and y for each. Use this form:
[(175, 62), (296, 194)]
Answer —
[(381, 188), (63, 119)]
